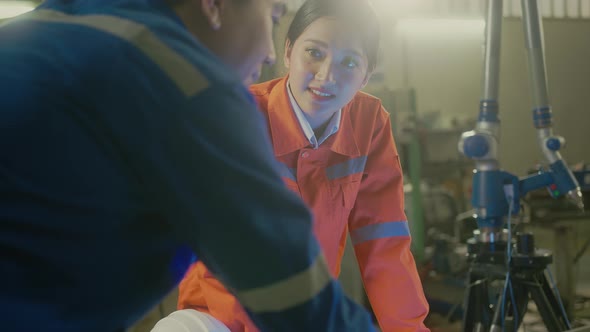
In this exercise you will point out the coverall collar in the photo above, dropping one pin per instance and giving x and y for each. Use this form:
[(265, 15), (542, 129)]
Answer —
[(287, 135)]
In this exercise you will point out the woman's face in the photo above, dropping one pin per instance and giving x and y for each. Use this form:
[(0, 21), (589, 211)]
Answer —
[(327, 66)]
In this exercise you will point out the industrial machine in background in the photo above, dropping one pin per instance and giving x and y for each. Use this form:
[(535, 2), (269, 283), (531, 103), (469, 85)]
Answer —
[(506, 269)]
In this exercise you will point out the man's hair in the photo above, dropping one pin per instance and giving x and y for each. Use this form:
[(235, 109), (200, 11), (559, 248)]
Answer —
[(358, 14)]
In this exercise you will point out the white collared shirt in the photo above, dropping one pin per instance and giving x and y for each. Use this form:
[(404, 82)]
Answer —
[(330, 130)]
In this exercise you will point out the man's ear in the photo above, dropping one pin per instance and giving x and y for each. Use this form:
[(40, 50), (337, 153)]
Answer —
[(212, 11), (287, 56)]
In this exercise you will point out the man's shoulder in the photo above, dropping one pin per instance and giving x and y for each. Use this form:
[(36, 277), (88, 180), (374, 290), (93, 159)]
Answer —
[(179, 52)]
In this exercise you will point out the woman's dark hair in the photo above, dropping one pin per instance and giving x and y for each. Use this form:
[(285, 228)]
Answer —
[(358, 15)]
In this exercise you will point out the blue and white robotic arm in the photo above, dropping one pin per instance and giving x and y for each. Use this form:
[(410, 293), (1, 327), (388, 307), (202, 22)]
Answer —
[(494, 190), (496, 196)]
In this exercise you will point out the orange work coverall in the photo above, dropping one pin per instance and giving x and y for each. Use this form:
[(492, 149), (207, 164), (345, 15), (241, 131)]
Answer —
[(353, 183)]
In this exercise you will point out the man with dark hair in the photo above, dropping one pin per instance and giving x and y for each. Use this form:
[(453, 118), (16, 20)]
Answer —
[(130, 145)]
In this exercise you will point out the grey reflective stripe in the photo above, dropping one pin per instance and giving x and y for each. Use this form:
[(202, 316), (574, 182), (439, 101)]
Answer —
[(186, 76), (287, 172), (346, 168), (379, 231), (289, 292)]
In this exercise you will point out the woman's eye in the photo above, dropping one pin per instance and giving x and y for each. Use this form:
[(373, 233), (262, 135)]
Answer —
[(349, 62), (314, 53)]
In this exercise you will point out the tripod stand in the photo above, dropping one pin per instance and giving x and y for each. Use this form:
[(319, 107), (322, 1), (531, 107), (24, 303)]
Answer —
[(524, 275), (496, 195)]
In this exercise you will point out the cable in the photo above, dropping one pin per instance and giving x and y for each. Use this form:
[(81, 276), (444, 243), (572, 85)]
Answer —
[(556, 291), (514, 307), (509, 191), (506, 282)]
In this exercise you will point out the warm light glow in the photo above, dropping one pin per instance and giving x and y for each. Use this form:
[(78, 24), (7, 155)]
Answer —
[(438, 26), (403, 6), (10, 9)]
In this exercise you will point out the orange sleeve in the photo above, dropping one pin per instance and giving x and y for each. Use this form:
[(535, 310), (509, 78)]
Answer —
[(199, 290), (381, 238)]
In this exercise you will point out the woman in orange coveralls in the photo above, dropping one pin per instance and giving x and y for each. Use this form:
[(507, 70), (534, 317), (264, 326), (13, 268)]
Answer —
[(336, 147)]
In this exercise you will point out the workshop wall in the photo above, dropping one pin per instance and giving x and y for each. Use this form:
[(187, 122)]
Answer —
[(444, 65)]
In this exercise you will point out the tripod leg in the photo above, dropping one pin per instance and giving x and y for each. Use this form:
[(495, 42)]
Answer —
[(519, 300), (521, 294), (497, 318), (546, 301), (476, 298)]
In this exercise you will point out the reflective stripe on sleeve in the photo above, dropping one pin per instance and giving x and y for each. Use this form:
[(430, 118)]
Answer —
[(380, 231), (289, 292), (349, 167), (186, 76)]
